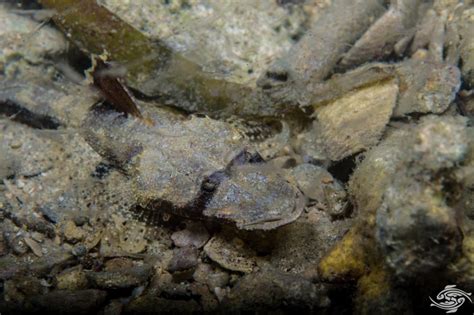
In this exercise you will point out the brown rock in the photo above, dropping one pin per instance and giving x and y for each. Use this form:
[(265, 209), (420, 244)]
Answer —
[(63, 301), (72, 233), (193, 235), (183, 258), (73, 278), (34, 246), (231, 253), (356, 121)]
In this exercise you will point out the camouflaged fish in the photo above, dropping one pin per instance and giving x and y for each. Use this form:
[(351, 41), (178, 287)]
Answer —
[(194, 167)]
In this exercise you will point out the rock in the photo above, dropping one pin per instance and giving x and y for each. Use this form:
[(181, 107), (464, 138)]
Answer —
[(370, 179), (348, 259), (381, 38), (118, 264), (207, 299), (72, 233), (221, 293), (426, 87), (201, 272), (34, 246), (29, 285), (466, 103), (218, 279), (155, 304), (38, 237), (183, 258), (80, 220), (16, 31), (299, 247), (378, 293), (18, 245), (419, 152), (8, 163), (227, 40), (318, 184), (440, 142), (417, 231), (115, 307), (48, 214), (63, 301), (79, 250), (124, 236), (193, 235), (125, 278), (3, 246), (214, 278), (314, 56), (231, 253), (272, 290), (56, 258), (465, 23), (416, 228), (73, 278), (356, 121)]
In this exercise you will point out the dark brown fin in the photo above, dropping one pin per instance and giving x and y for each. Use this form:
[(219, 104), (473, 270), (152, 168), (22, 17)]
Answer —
[(113, 89)]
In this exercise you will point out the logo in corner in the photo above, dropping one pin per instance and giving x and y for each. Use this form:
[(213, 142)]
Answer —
[(451, 298)]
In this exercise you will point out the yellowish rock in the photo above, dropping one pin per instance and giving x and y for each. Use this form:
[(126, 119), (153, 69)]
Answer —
[(347, 260), (356, 121)]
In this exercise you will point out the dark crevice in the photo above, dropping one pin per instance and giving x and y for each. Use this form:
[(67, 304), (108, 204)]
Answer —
[(78, 61), (25, 4), (22, 115), (342, 170)]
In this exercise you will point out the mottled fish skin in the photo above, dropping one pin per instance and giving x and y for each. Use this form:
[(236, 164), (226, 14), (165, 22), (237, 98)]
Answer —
[(194, 167)]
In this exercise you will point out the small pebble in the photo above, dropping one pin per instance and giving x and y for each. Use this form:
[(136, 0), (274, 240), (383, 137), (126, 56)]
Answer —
[(72, 233), (79, 250), (49, 214), (3, 246), (72, 278), (194, 235), (217, 279), (183, 258), (15, 144), (81, 220), (19, 246), (35, 247), (37, 237)]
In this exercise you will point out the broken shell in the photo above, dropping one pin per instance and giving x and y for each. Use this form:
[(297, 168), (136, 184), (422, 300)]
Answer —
[(356, 121)]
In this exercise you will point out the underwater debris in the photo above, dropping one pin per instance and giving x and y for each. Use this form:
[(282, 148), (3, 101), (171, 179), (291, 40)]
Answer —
[(152, 67)]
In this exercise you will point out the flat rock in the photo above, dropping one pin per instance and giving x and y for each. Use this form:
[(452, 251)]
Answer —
[(63, 301), (356, 121), (271, 289), (193, 235), (125, 278), (231, 253), (183, 258)]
